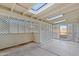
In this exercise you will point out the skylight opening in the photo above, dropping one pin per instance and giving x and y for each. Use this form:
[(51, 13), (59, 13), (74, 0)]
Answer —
[(38, 6)]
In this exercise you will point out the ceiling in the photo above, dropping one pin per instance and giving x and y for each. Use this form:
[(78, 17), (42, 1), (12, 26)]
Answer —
[(70, 11)]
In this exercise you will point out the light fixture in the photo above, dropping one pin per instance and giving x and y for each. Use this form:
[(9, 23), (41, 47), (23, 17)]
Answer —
[(52, 18), (60, 21)]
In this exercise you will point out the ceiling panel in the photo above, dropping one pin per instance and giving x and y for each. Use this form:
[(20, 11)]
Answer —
[(58, 9), (70, 10), (70, 17)]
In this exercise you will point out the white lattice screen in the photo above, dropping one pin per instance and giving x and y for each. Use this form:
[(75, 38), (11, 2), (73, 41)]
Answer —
[(14, 25)]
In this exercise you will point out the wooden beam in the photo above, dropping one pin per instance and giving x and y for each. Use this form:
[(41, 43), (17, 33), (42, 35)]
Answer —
[(25, 15), (22, 7), (13, 7)]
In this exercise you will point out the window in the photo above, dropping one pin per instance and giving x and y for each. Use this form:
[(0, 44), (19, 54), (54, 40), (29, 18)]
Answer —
[(38, 6), (63, 29)]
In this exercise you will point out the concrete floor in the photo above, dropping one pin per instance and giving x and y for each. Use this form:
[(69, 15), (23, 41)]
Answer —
[(51, 48), (63, 48), (31, 49)]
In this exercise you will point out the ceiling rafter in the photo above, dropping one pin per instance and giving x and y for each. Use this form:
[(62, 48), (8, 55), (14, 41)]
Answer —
[(57, 10), (22, 7), (26, 15), (13, 7), (32, 16)]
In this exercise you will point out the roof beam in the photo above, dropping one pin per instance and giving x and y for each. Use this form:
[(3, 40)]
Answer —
[(12, 10), (22, 7), (13, 7)]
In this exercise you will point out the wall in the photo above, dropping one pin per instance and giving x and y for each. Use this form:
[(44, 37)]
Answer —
[(9, 37), (36, 37), (76, 32), (7, 40), (45, 32)]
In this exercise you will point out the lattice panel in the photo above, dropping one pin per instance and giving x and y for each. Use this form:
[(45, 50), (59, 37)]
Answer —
[(14, 25), (4, 25)]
